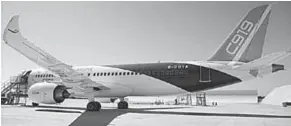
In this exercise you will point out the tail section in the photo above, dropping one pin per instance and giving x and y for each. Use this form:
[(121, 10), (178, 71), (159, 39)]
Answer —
[(245, 42)]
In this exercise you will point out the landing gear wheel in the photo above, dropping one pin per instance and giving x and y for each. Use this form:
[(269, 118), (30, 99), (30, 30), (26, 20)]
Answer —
[(93, 106), (122, 105), (34, 104)]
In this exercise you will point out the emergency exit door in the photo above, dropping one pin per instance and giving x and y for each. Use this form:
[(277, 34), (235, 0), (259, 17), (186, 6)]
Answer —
[(205, 74)]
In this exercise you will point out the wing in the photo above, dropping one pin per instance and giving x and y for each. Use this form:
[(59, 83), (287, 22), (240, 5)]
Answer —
[(12, 37), (266, 60)]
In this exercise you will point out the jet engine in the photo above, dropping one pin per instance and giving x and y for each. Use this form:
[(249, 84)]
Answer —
[(48, 93)]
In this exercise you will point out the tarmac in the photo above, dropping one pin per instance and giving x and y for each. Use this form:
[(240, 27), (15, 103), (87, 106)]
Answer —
[(72, 112)]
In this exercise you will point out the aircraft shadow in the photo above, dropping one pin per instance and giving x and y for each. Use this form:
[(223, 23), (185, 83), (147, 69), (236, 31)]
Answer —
[(105, 116)]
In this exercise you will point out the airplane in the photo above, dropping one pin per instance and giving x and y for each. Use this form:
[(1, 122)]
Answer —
[(238, 59)]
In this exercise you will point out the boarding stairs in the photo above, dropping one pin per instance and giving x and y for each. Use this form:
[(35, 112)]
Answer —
[(15, 88), (200, 99)]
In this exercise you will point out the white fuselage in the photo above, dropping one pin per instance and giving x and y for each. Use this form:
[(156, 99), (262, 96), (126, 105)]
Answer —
[(128, 85)]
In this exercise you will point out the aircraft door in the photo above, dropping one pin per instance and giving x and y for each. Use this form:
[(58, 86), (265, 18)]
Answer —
[(205, 74)]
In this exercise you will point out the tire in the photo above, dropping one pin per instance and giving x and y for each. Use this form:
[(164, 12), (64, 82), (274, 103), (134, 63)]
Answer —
[(98, 106), (123, 105), (93, 106)]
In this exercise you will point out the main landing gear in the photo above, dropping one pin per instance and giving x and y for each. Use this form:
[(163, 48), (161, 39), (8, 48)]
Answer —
[(93, 106), (122, 104), (96, 106)]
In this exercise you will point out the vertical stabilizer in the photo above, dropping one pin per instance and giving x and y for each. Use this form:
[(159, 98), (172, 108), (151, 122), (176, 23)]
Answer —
[(245, 42)]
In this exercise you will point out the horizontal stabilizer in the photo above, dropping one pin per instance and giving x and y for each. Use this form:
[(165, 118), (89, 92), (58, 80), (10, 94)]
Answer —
[(266, 60)]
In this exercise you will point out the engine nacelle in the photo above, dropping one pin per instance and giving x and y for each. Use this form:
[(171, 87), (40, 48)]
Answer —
[(47, 93)]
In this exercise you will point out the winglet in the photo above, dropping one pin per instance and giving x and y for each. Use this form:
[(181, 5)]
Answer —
[(12, 28)]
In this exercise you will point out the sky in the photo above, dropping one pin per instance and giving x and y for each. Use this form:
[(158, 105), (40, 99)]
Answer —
[(104, 33)]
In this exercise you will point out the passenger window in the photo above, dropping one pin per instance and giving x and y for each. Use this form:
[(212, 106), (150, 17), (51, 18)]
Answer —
[(97, 74), (116, 73), (120, 73), (124, 73), (88, 74), (112, 73), (94, 74), (132, 73), (101, 74), (104, 74)]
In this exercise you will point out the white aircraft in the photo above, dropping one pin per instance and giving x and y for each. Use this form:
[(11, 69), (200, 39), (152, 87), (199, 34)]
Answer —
[(239, 58)]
